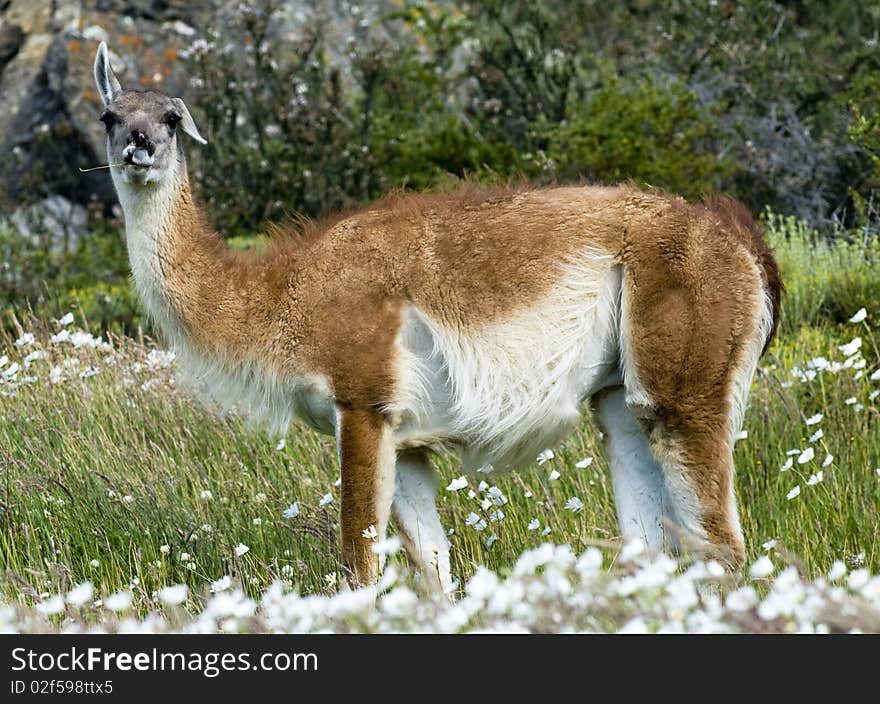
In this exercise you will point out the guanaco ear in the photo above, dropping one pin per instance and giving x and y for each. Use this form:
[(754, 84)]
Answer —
[(108, 85), (187, 124)]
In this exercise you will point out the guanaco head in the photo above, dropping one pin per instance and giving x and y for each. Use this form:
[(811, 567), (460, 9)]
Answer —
[(142, 128)]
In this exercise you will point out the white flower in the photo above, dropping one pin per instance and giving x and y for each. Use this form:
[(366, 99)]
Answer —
[(812, 420), (491, 540), (119, 601), (260, 497), (326, 499), (206, 495), (554, 475), (794, 493), (370, 532), (475, 521), (850, 401), (815, 478), (184, 556), (860, 315), (770, 544), (32, 356), (127, 499), (742, 599), (281, 444), (828, 460), (95, 564), (806, 456), (575, 504), (291, 511), (742, 435), (482, 486), (496, 496), (66, 320), (496, 515), (761, 568), (546, 531), (528, 493), (584, 463), (875, 376), (534, 524), (80, 594), (546, 456), (858, 579), (851, 347), (818, 435), (164, 549), (55, 374), (222, 584), (838, 569), (51, 606), (788, 463), (241, 549), (26, 339), (457, 484), (173, 595), (257, 521)]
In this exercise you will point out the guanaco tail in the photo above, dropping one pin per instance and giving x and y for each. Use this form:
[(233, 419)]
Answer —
[(477, 321)]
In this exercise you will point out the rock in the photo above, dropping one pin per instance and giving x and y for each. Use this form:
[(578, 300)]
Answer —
[(54, 219), (11, 39)]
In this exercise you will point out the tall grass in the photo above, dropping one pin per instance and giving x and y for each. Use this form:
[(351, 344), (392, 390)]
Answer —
[(112, 474)]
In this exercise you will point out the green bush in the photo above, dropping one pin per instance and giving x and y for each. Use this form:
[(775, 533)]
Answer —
[(826, 279), (646, 132)]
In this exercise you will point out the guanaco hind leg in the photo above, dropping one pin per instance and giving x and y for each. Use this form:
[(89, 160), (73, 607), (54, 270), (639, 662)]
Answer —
[(367, 458), (689, 349), (640, 494), (418, 524)]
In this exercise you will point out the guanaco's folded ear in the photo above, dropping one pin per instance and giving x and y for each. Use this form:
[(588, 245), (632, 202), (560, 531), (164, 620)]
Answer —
[(108, 85), (187, 124)]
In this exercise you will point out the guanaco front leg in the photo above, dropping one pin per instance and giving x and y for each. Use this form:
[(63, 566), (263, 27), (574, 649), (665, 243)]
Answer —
[(367, 457)]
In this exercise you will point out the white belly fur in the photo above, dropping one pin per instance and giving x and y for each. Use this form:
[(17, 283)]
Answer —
[(502, 393), (498, 394)]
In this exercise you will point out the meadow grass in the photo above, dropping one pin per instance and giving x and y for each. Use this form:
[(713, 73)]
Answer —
[(112, 474)]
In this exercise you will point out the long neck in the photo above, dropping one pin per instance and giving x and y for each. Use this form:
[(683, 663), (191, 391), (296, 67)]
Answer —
[(191, 285)]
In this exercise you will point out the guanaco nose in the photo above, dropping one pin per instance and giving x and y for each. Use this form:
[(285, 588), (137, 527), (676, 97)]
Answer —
[(141, 141)]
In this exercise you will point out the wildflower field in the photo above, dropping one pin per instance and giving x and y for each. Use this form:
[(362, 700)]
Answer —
[(126, 505)]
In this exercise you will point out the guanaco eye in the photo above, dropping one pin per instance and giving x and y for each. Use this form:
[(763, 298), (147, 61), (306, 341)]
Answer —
[(108, 118), (171, 119)]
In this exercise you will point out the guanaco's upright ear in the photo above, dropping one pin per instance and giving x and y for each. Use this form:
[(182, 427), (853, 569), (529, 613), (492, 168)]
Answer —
[(108, 85), (187, 124)]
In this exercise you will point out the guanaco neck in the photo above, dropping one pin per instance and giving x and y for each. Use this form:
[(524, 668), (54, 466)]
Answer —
[(201, 295)]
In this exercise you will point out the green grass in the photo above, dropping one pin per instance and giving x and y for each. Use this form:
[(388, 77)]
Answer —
[(72, 453)]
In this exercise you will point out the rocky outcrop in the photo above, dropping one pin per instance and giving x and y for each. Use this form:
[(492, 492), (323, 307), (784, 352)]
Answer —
[(48, 124)]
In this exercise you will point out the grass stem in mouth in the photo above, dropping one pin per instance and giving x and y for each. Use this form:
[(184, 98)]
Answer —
[(96, 168)]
